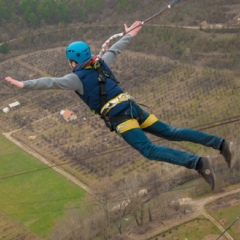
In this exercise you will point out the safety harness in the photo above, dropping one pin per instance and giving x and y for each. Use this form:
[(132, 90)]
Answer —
[(106, 106), (102, 75), (127, 122)]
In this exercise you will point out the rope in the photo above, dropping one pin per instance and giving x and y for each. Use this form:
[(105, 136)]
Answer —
[(106, 44)]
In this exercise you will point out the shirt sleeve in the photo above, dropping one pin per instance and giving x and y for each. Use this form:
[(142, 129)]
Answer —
[(110, 56), (68, 82)]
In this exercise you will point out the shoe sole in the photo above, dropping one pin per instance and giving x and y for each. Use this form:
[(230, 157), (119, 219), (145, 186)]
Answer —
[(213, 175), (210, 168), (233, 155)]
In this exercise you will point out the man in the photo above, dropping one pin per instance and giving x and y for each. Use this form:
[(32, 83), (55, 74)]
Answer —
[(95, 84)]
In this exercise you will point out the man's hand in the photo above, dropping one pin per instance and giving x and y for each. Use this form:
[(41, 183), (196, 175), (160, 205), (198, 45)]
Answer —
[(14, 82), (133, 29)]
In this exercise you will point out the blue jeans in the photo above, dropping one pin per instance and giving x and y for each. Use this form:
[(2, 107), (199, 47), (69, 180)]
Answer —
[(138, 139)]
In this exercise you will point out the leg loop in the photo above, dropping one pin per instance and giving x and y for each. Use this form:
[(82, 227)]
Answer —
[(127, 125), (149, 121)]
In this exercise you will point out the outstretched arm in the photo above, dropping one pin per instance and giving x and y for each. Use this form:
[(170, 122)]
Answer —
[(110, 56), (68, 82)]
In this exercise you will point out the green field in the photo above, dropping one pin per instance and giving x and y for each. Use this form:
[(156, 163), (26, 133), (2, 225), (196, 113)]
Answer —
[(32, 196)]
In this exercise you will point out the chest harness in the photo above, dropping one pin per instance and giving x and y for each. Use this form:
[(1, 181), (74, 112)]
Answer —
[(106, 105)]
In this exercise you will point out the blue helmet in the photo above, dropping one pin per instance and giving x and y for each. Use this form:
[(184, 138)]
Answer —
[(78, 51)]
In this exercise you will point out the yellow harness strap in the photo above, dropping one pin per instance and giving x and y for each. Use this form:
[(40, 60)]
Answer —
[(122, 97), (127, 125), (149, 121), (133, 123)]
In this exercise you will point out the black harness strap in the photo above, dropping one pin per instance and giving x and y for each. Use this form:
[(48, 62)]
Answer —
[(102, 75), (102, 81)]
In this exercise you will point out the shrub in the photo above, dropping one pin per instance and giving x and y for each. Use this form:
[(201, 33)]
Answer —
[(4, 48)]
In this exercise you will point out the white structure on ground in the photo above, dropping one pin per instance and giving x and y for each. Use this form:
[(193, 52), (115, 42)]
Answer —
[(6, 109), (10, 106), (14, 104)]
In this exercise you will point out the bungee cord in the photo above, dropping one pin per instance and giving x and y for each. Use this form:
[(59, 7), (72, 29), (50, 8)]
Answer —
[(106, 44)]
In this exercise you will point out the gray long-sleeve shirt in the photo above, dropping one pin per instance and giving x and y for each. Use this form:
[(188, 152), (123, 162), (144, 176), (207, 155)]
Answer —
[(71, 81)]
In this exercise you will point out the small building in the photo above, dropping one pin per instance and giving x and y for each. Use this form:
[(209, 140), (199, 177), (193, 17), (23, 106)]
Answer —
[(204, 24), (6, 110), (14, 104), (68, 115)]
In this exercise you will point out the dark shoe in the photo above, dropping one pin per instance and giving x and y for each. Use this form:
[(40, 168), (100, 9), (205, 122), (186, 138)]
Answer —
[(206, 171), (228, 152)]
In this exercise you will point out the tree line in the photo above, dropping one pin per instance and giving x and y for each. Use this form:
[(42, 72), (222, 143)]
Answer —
[(36, 13)]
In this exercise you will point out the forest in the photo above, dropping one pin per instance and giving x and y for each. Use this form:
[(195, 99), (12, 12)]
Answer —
[(16, 16)]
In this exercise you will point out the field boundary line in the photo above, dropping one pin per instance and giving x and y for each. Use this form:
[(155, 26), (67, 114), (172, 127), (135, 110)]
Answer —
[(38, 156)]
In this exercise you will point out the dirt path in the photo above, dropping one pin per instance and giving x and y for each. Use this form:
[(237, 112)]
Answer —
[(227, 235), (198, 209), (45, 161)]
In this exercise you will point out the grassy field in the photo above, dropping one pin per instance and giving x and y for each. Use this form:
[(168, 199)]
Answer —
[(30, 198)]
